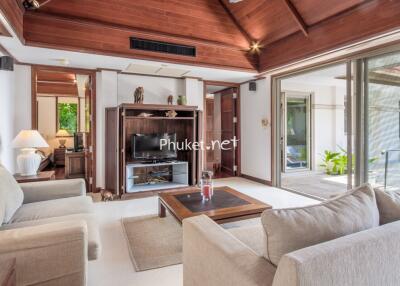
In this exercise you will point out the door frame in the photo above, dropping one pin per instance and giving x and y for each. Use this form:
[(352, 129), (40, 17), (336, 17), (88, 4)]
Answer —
[(34, 118), (284, 95), (238, 127), (276, 123)]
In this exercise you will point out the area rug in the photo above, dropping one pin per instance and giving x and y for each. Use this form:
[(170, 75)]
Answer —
[(155, 242)]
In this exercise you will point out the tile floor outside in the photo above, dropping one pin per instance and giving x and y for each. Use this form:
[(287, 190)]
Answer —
[(313, 183)]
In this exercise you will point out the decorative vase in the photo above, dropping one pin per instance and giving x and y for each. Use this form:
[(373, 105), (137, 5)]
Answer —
[(28, 162), (182, 100), (170, 99), (206, 185)]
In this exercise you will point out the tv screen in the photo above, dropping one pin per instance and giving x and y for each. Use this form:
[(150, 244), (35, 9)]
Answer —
[(148, 146)]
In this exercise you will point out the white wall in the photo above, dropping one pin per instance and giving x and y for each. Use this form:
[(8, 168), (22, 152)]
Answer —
[(15, 110), (106, 96), (6, 118), (256, 139), (156, 89)]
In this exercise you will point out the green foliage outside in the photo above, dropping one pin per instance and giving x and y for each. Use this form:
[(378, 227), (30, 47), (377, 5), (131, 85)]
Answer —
[(68, 117), (335, 163)]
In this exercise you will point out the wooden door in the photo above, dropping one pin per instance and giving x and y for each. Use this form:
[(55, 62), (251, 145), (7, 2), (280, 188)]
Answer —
[(209, 133), (228, 131), (88, 150), (112, 150)]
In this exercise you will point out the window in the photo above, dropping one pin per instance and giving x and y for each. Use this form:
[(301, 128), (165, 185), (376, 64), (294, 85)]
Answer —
[(68, 117)]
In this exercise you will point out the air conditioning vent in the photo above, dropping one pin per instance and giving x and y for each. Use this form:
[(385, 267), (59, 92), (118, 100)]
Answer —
[(162, 47)]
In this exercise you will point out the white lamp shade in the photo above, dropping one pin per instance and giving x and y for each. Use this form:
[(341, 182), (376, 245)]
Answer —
[(29, 139)]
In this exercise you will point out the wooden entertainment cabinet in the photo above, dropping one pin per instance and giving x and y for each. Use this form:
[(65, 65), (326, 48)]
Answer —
[(123, 121)]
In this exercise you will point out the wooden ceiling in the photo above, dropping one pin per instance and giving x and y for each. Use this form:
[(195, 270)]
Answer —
[(221, 31), (51, 83)]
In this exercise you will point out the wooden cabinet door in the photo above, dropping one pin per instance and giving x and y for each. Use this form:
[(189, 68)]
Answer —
[(112, 150), (228, 126)]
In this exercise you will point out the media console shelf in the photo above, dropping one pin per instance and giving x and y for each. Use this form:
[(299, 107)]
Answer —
[(142, 177), (125, 120)]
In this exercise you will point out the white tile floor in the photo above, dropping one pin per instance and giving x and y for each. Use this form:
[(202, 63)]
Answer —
[(114, 267)]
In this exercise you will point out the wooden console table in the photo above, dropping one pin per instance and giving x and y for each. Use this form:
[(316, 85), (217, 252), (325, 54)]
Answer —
[(74, 165), (59, 156)]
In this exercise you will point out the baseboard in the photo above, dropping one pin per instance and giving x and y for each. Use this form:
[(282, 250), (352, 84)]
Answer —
[(258, 180)]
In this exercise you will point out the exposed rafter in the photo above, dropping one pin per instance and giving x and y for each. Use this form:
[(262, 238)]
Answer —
[(297, 17), (235, 21)]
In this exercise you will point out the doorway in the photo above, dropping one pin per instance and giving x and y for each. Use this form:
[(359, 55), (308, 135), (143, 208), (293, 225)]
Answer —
[(296, 110), (315, 140), (63, 108), (222, 128)]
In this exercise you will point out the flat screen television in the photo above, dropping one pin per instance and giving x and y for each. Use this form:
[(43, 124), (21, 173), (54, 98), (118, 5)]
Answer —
[(148, 146)]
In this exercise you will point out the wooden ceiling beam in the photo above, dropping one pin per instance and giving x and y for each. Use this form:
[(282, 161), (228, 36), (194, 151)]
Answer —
[(344, 29), (236, 22), (13, 12), (57, 89), (296, 16)]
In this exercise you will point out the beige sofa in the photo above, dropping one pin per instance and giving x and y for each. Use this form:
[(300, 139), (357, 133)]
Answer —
[(50, 228), (214, 256)]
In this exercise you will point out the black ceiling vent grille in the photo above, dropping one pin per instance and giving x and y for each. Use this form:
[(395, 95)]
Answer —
[(162, 47)]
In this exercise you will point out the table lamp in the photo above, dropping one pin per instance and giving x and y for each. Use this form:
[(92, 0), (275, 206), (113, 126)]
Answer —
[(28, 161), (62, 133)]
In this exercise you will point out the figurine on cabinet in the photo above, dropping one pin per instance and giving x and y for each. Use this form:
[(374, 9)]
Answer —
[(139, 95)]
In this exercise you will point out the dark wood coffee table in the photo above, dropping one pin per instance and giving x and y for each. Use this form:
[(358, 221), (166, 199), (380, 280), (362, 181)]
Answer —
[(225, 206)]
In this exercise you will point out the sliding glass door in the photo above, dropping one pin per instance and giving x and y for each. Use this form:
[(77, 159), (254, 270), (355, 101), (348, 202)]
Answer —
[(315, 132), (382, 121), (296, 131)]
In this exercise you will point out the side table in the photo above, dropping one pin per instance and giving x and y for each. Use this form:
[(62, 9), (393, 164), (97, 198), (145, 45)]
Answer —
[(41, 176)]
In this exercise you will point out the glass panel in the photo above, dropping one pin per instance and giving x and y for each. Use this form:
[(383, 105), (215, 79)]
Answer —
[(315, 132), (297, 133), (383, 113)]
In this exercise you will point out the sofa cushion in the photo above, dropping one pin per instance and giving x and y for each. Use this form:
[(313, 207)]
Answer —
[(252, 236), (2, 210), (10, 193), (388, 205), (288, 230), (53, 208), (94, 244)]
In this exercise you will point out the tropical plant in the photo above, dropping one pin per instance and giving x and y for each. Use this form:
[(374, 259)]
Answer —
[(328, 161), (335, 163), (340, 164), (68, 116)]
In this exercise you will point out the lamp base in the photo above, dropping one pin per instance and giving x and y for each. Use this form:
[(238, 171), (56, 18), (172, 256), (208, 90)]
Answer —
[(62, 143), (28, 162)]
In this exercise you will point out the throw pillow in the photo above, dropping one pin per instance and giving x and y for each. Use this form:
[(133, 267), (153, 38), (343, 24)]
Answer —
[(388, 205), (10, 193), (288, 230)]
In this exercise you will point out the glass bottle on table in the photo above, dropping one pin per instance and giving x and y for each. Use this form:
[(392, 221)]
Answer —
[(206, 185)]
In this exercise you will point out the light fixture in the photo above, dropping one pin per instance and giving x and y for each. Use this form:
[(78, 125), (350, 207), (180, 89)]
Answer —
[(62, 133), (255, 47), (31, 4), (34, 4), (28, 161)]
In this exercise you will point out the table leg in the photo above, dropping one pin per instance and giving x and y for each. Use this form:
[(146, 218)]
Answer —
[(161, 209)]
